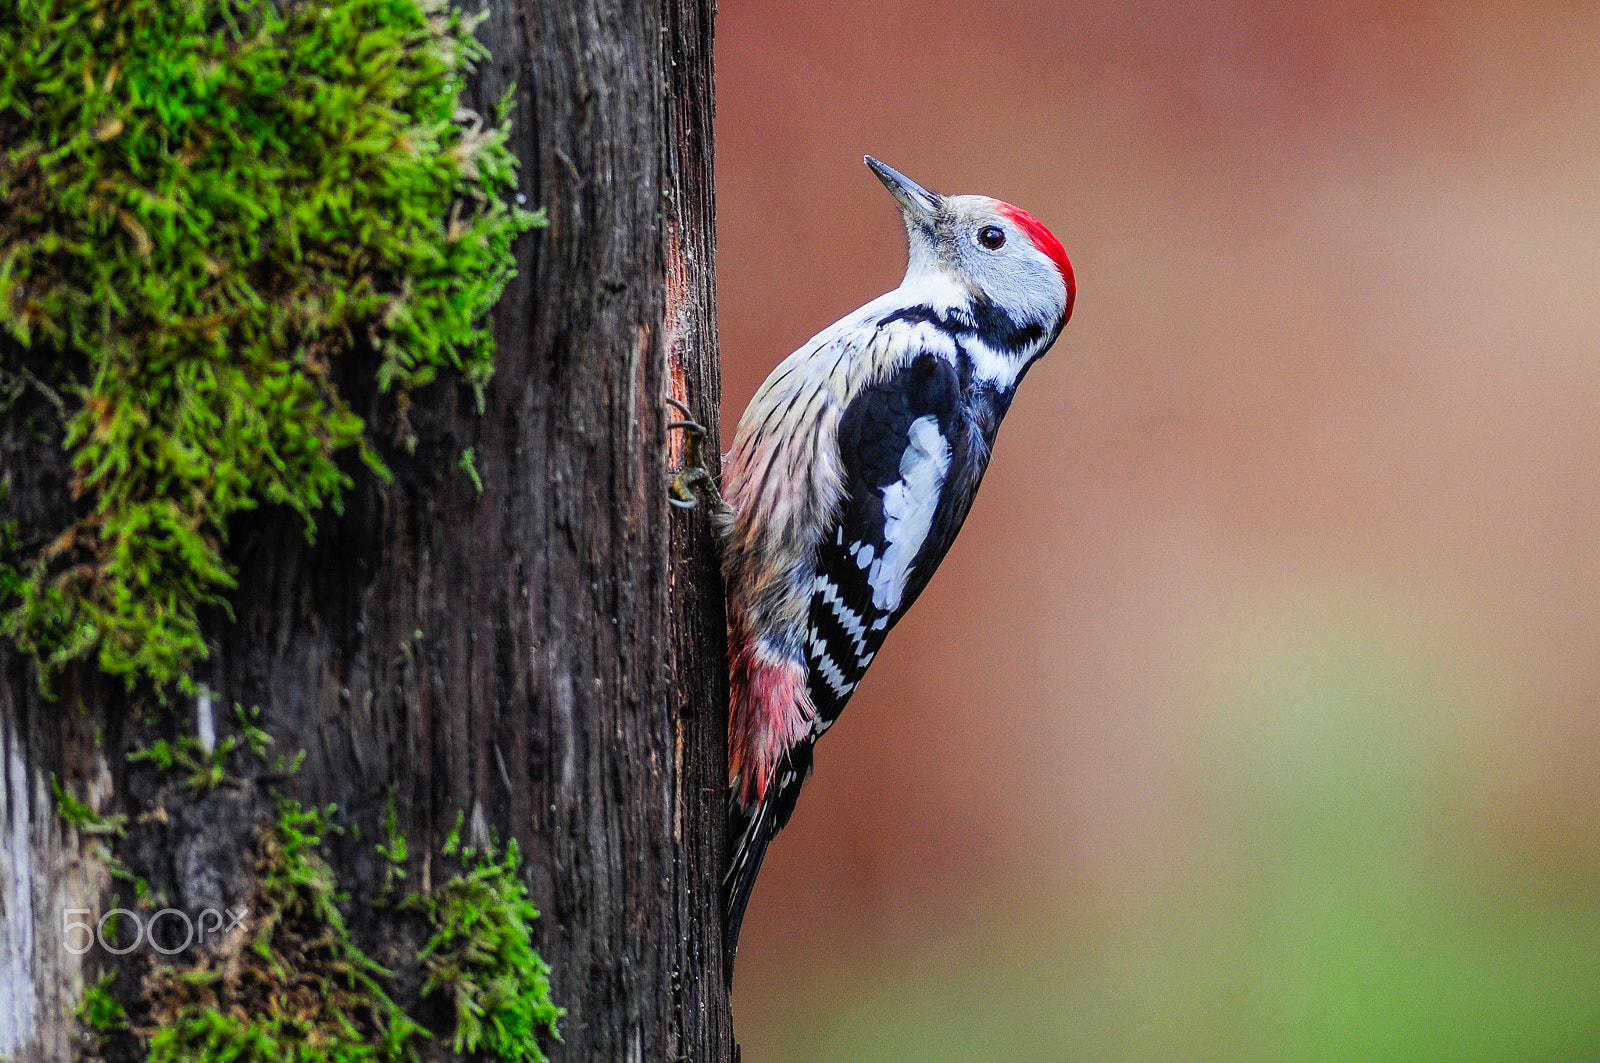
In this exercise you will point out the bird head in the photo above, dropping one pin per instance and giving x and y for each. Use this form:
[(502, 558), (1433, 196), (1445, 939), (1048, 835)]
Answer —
[(990, 248)]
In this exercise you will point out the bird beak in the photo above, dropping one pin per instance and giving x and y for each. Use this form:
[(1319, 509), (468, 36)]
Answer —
[(919, 204)]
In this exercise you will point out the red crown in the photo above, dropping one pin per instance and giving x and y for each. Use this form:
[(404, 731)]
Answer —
[(1045, 241)]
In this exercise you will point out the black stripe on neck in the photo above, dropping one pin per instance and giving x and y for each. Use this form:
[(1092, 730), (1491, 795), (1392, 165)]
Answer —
[(986, 322)]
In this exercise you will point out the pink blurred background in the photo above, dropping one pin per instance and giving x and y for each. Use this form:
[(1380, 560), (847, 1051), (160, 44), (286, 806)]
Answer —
[(1254, 714)]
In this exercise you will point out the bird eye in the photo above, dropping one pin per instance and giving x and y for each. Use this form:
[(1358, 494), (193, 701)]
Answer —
[(992, 236)]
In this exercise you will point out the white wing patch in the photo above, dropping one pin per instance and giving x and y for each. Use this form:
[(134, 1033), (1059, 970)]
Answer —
[(908, 507)]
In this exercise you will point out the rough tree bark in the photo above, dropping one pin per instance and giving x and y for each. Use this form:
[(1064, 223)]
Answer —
[(546, 657)]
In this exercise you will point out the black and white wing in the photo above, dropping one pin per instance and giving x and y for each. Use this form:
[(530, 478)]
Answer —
[(912, 463)]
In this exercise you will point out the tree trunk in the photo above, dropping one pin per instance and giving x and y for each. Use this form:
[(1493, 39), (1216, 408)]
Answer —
[(545, 657)]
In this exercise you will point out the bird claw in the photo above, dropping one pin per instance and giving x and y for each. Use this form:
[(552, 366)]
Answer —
[(694, 479), (683, 494)]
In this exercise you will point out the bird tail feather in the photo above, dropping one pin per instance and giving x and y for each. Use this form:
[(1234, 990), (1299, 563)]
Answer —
[(751, 829)]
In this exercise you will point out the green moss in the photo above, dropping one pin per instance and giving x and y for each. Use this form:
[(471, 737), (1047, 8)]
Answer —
[(11, 551), (394, 851), (481, 957), (99, 1010), (101, 1017), (102, 831), (469, 465), (143, 896), (294, 988), (86, 819), (206, 206), (209, 769)]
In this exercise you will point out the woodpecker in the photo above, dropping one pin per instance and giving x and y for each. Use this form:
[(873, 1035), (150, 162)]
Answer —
[(850, 474)]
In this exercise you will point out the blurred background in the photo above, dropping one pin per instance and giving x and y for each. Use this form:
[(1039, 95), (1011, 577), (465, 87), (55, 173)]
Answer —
[(1253, 716)]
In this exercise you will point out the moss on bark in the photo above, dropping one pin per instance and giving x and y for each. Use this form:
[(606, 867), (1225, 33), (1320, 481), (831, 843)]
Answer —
[(210, 211)]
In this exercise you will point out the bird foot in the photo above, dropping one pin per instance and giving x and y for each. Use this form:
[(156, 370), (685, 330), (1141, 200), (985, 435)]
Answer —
[(694, 481)]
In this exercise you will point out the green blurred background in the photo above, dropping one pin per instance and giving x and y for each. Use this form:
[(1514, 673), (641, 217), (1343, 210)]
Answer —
[(1253, 716)]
